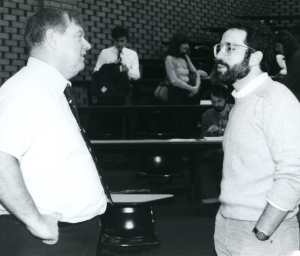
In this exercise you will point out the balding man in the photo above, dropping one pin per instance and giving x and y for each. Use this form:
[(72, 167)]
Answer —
[(49, 183)]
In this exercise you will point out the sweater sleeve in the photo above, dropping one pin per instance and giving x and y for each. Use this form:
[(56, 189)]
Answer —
[(281, 124), (193, 69), (171, 72)]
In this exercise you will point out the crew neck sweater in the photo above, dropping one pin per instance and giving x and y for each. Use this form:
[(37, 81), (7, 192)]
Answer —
[(261, 153)]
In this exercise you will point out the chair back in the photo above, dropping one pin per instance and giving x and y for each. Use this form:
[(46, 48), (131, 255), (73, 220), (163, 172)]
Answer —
[(106, 126), (155, 125), (164, 165), (130, 227)]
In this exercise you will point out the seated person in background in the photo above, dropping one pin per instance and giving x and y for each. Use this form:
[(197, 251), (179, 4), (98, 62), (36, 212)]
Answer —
[(179, 68), (120, 54), (214, 122), (287, 45)]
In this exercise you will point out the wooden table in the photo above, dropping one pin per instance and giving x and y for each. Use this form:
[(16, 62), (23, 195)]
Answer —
[(188, 145)]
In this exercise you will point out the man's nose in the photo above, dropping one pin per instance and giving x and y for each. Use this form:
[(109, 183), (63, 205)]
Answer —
[(87, 45), (220, 54)]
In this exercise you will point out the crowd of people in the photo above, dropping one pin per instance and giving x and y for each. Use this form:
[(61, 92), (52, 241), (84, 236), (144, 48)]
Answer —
[(51, 192)]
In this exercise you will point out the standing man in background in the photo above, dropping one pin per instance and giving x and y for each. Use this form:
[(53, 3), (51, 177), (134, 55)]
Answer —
[(49, 183), (120, 54), (260, 188), (109, 83)]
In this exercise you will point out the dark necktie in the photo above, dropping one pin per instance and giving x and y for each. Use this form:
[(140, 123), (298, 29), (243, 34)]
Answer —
[(119, 55), (71, 100)]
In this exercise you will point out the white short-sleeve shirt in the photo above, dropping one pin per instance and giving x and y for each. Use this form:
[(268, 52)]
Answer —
[(38, 128)]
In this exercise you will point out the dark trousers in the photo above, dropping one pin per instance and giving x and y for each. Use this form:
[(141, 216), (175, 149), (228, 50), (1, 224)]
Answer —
[(78, 239), (210, 170)]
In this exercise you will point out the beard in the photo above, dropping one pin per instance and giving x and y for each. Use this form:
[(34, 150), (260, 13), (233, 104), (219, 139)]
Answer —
[(220, 109), (234, 73)]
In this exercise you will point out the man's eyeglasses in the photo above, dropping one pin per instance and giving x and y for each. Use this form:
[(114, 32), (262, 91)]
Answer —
[(229, 48)]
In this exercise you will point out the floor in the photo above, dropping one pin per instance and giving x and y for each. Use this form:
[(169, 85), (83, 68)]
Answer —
[(180, 233)]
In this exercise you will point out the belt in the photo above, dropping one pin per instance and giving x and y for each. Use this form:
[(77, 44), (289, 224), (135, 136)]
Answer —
[(60, 224)]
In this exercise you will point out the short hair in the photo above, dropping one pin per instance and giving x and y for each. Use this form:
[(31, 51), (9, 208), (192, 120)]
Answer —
[(48, 18), (118, 32), (288, 41), (259, 37), (176, 41), (219, 91)]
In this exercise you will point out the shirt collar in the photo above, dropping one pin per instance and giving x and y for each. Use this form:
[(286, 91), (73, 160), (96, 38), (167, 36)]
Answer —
[(116, 49), (58, 80), (250, 86)]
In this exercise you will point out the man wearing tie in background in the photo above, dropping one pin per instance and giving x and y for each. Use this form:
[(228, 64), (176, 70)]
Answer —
[(120, 54), (49, 183), (260, 188)]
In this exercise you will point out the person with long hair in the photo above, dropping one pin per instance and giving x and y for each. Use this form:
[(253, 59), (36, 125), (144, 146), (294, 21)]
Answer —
[(287, 45), (182, 76)]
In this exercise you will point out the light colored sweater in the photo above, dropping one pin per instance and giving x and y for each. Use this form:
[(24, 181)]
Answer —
[(262, 153)]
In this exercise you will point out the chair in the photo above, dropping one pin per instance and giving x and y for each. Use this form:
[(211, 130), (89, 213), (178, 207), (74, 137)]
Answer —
[(160, 168), (155, 125), (106, 126), (128, 230)]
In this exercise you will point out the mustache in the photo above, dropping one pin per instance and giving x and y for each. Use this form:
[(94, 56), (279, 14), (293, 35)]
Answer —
[(221, 62)]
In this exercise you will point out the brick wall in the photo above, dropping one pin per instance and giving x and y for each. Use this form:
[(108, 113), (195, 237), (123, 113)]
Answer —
[(149, 21), (284, 7), (290, 8)]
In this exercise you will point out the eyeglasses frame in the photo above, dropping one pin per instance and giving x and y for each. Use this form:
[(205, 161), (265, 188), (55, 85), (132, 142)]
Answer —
[(228, 54)]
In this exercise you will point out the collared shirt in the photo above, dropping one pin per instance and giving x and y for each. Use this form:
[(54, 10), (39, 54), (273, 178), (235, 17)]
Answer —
[(243, 92), (129, 58), (40, 131), (250, 86)]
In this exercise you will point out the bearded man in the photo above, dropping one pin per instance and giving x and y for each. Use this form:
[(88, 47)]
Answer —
[(260, 188)]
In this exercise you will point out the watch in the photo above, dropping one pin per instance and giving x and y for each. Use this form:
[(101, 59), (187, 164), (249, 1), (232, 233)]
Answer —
[(260, 235)]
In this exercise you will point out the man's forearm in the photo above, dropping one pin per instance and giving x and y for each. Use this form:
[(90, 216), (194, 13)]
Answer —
[(270, 219), (14, 195)]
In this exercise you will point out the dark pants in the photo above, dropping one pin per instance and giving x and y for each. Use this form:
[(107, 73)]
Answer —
[(185, 123), (210, 170), (78, 239)]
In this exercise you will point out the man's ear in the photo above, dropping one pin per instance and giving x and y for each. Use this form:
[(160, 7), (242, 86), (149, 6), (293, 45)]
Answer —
[(51, 39), (255, 58)]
